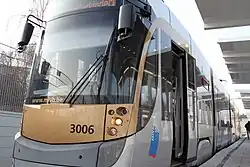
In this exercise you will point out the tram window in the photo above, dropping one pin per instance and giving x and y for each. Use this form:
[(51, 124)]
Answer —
[(209, 117), (200, 109), (149, 84), (167, 94), (191, 106), (208, 104), (201, 80), (216, 100), (191, 66), (204, 108), (222, 123), (202, 85), (167, 79), (198, 80)]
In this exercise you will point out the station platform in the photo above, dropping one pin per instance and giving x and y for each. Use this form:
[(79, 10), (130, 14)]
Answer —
[(236, 155)]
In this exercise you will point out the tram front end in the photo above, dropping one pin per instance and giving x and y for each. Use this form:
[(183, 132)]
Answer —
[(83, 95)]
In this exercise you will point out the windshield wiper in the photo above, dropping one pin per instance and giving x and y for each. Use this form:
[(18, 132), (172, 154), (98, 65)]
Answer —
[(105, 60), (71, 97)]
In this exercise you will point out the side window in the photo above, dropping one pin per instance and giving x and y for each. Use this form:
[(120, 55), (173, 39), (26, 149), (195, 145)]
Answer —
[(227, 124), (191, 90), (149, 84), (191, 107), (222, 123), (205, 95), (191, 67), (217, 106), (201, 80), (199, 111), (216, 99), (166, 77)]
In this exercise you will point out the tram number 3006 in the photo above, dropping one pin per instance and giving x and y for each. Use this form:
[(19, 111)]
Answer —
[(82, 129)]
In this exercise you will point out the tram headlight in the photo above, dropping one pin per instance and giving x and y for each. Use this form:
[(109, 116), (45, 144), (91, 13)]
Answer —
[(121, 111), (112, 131), (117, 121), (110, 152), (111, 112)]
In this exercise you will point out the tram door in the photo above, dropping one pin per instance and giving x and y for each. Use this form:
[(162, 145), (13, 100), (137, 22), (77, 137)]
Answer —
[(177, 103), (172, 61), (171, 84)]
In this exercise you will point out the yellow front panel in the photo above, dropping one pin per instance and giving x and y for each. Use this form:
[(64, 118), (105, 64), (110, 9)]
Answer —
[(59, 123)]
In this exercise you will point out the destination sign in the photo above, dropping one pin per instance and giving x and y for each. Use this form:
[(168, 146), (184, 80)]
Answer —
[(63, 6)]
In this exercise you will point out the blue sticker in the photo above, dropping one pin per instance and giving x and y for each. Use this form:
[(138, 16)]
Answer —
[(154, 143)]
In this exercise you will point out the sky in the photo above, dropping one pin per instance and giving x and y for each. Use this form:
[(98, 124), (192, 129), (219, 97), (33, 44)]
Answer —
[(185, 10), (10, 14)]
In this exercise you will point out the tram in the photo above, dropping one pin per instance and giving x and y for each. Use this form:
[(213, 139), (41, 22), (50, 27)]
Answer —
[(120, 83)]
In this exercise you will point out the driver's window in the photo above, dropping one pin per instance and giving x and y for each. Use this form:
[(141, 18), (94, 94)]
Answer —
[(149, 83)]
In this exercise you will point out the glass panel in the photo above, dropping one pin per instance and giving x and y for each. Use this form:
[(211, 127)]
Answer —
[(149, 83), (160, 10), (167, 73), (84, 52), (176, 24), (191, 66), (63, 6), (191, 107), (204, 96)]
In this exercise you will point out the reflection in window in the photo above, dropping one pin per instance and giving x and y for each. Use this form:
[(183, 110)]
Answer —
[(205, 111), (167, 93), (149, 84), (191, 106), (204, 97), (201, 80), (167, 73), (80, 69), (191, 66)]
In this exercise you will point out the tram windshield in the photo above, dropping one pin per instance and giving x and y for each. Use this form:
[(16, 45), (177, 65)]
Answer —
[(74, 47), (57, 7)]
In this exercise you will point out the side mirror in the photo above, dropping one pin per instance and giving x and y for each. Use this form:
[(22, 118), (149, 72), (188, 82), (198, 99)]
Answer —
[(45, 67), (26, 36), (126, 22)]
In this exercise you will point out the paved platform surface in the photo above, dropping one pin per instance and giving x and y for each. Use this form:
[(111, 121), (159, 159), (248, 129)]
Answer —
[(236, 155)]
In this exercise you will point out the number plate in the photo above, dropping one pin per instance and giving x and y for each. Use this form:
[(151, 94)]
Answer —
[(85, 129)]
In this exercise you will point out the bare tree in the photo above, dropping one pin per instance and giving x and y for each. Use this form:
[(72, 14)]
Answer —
[(39, 8), (15, 67), (5, 59)]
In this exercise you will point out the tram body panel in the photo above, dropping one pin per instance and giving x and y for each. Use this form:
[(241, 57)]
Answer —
[(145, 145), (116, 153), (63, 124), (20, 163), (36, 152), (126, 157)]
